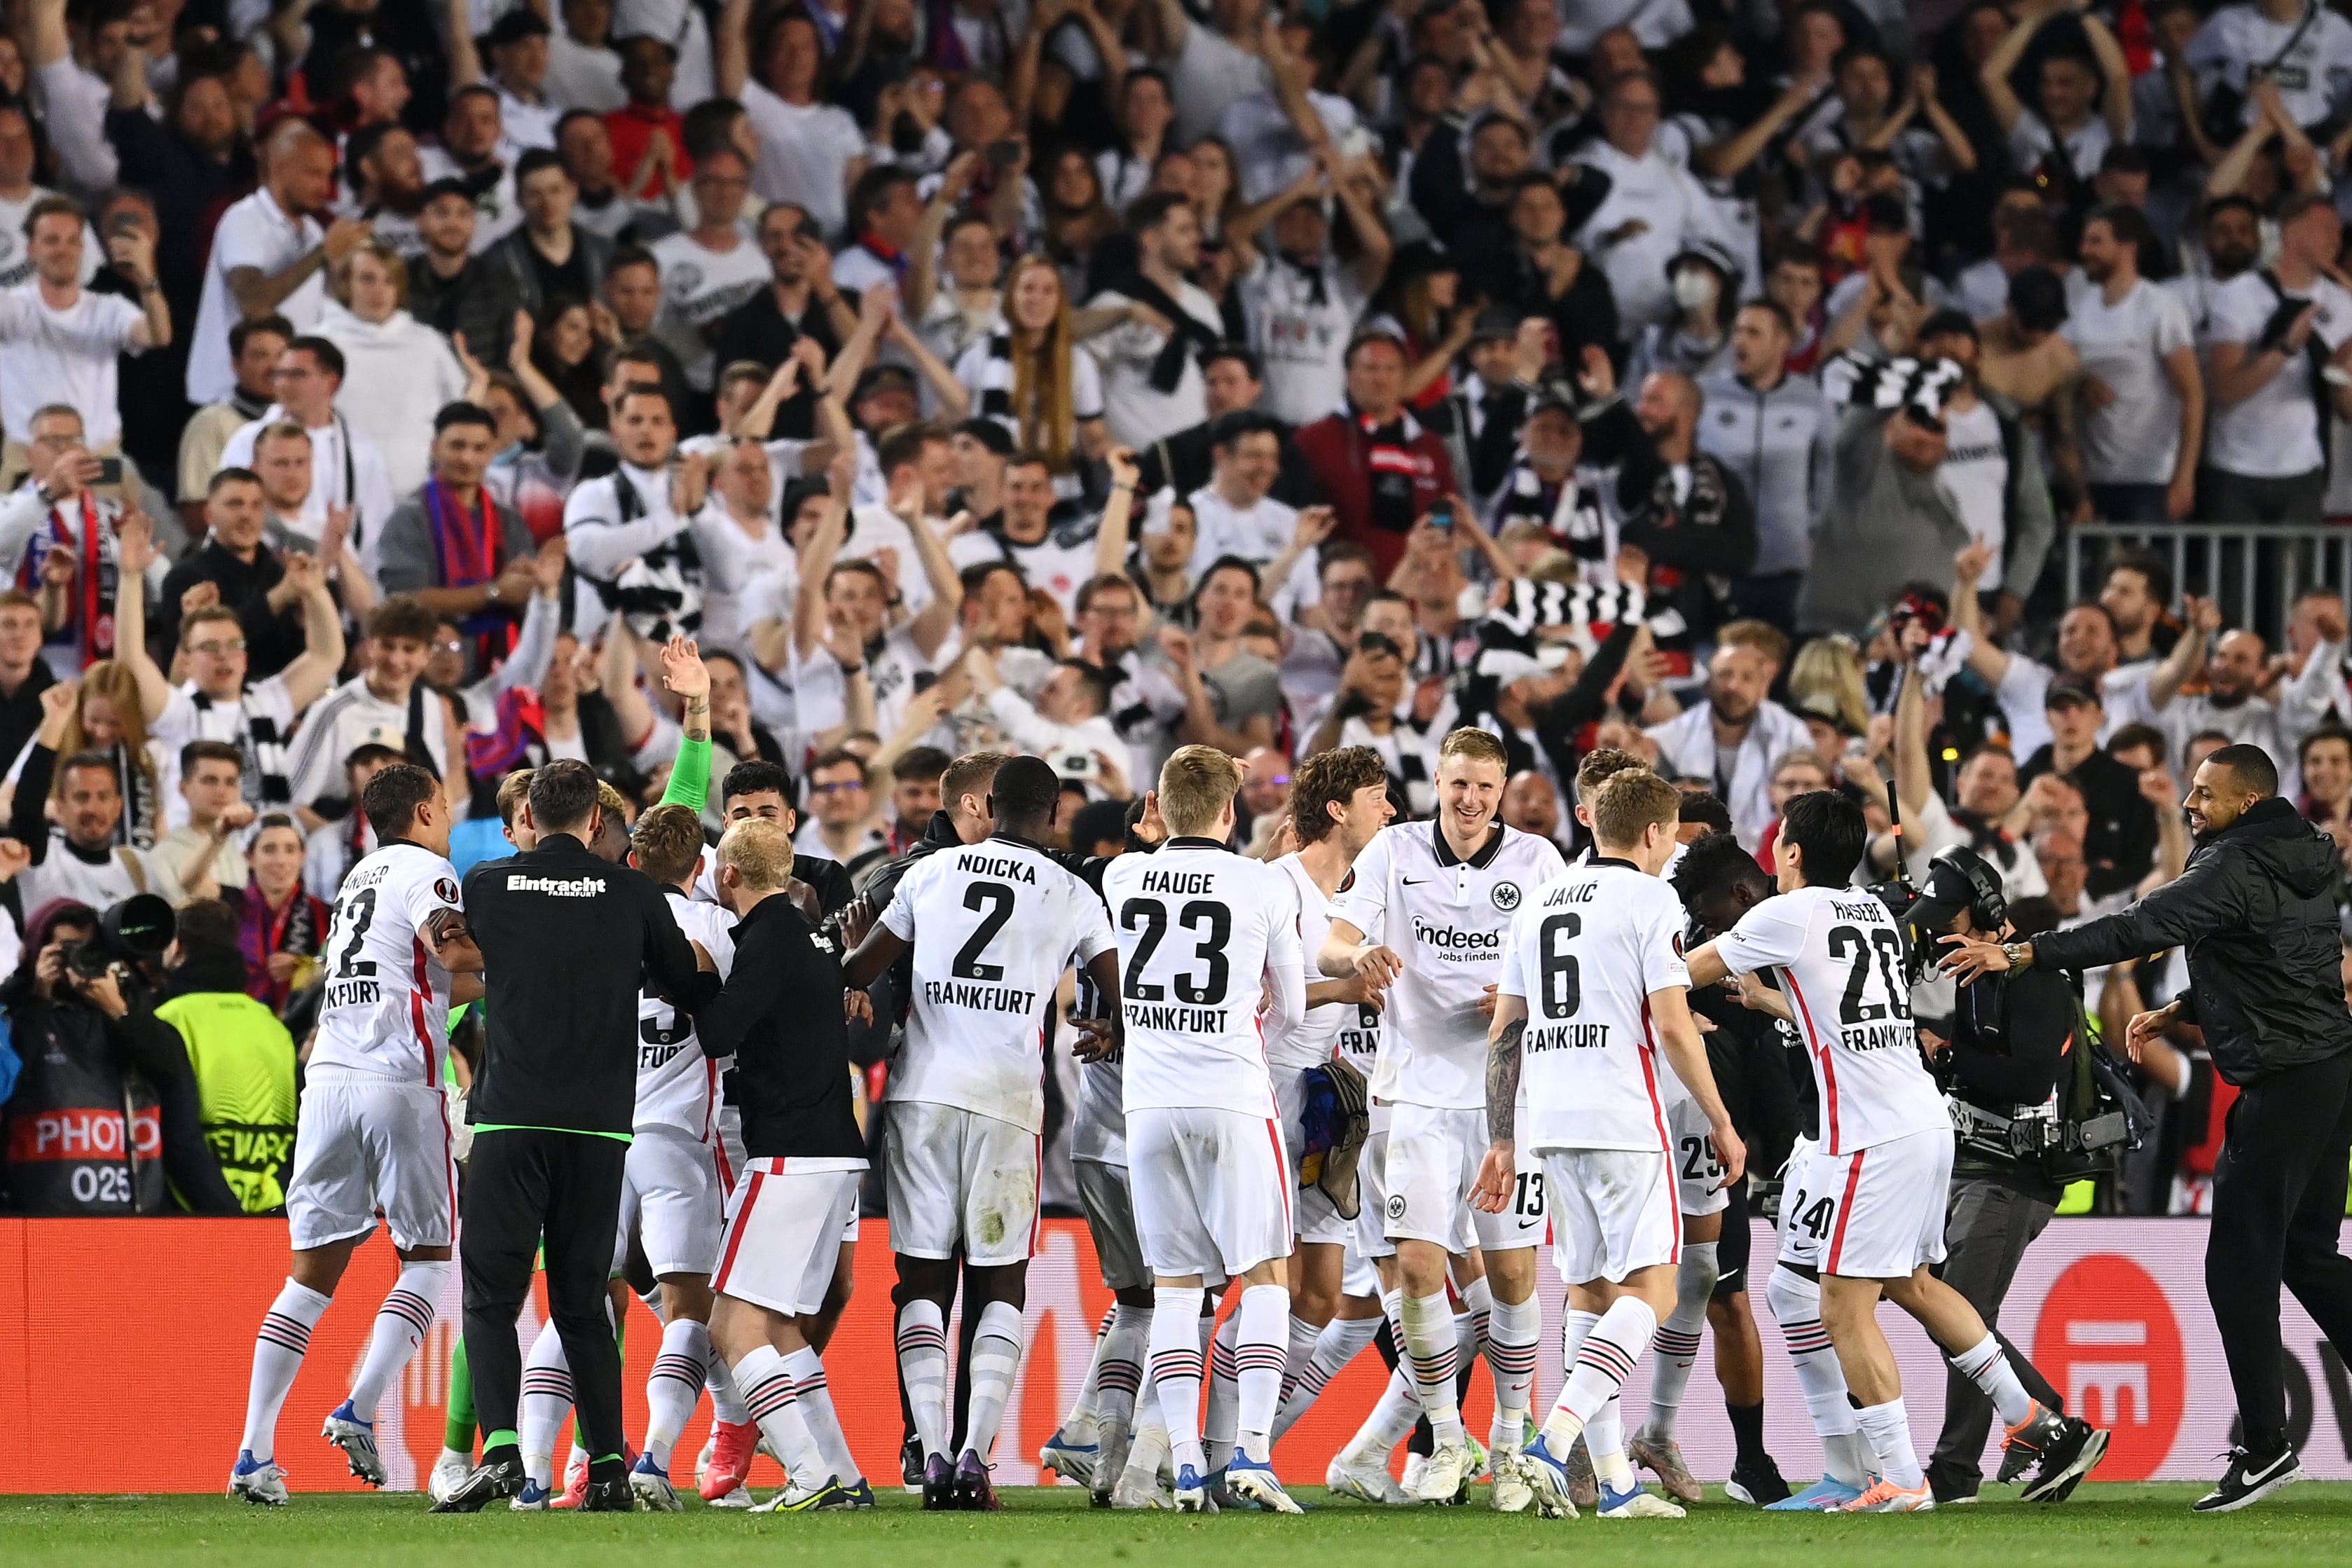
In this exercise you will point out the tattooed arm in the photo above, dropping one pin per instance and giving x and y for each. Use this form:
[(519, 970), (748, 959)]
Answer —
[(1497, 1172)]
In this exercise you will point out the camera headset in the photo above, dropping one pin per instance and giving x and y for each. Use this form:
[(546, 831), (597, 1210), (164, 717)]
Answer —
[(1959, 878)]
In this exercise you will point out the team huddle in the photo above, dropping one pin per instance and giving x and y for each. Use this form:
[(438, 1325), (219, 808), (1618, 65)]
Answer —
[(1334, 1096)]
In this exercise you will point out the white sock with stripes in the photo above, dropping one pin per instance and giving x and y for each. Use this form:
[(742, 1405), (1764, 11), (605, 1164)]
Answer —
[(769, 1395), (1176, 1367), (675, 1388), (923, 1366), (1677, 1338), (1225, 1393), (1796, 1303), (1120, 1366), (1433, 1352), (546, 1395), (400, 1325), (1079, 1422), (1259, 1356), (995, 1359), (1604, 1361), (1515, 1333), (815, 1400), (1340, 1341), (278, 1346)]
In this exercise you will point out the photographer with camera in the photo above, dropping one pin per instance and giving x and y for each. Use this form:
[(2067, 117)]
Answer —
[(1999, 1060), (105, 1117), (2255, 917)]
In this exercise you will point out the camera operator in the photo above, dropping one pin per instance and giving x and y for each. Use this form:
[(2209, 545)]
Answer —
[(94, 1049), (1999, 1060)]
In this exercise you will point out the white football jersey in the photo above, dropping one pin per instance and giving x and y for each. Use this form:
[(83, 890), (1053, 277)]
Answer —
[(677, 1086), (1839, 955), (1448, 919), (994, 924), (1316, 1038), (1586, 954), (387, 1006), (1202, 934)]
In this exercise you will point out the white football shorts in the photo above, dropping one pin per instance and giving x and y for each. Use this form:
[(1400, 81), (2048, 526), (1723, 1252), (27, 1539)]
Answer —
[(364, 1144), (1698, 1173), (670, 1190), (784, 1232), (1614, 1211), (1429, 1170), (1212, 1190), (953, 1175), (1880, 1211)]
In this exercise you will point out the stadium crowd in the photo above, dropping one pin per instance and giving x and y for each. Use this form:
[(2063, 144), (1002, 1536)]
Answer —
[(1088, 378)]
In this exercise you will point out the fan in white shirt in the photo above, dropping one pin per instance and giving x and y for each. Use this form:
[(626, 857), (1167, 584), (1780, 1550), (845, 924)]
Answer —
[(346, 468), (60, 342), (709, 269), (810, 149), (1153, 384), (1059, 559), (474, 148), (641, 539), (1235, 515)]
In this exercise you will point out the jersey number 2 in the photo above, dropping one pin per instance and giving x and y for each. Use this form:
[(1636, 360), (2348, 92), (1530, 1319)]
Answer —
[(998, 899), (361, 907)]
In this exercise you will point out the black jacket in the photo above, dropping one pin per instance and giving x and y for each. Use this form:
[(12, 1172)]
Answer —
[(567, 938), (780, 1018), (2253, 915)]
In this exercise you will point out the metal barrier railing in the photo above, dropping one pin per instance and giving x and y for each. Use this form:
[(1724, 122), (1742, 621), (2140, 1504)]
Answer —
[(2256, 570)]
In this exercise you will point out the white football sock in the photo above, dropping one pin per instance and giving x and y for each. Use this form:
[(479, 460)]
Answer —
[(278, 1346), (1988, 1367), (769, 1393), (1259, 1357), (1121, 1365), (675, 1388), (1516, 1332), (546, 1396), (1604, 1442), (400, 1325), (1225, 1393), (1887, 1428), (1612, 1347), (1796, 1303), (814, 1398), (1677, 1338), (996, 1360), (726, 1402), (1340, 1343), (1078, 1422), (1297, 1352), (1434, 1352), (1176, 1367), (923, 1366)]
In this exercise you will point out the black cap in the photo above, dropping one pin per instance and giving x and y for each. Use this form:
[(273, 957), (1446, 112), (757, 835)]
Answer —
[(516, 24), (1959, 880), (1495, 323), (989, 433), (2074, 689), (449, 185)]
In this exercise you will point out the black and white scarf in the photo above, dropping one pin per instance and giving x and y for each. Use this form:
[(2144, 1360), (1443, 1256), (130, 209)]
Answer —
[(1569, 511), (1919, 386), (264, 777), (659, 592)]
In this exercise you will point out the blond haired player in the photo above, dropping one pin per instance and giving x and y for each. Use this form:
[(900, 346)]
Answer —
[(1593, 988), (1203, 933), (1424, 920)]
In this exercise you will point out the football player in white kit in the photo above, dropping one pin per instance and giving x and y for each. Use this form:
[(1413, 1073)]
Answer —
[(1202, 932), (993, 926), (1338, 800), (1875, 1188), (672, 1191), (1593, 993), (1445, 892), (373, 1134)]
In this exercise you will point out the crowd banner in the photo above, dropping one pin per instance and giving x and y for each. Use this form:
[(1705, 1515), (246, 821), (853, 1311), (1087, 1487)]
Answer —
[(101, 1316)]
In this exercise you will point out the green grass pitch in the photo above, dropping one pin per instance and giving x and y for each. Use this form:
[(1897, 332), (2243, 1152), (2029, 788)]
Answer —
[(2145, 1526)]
